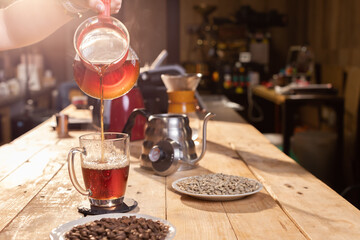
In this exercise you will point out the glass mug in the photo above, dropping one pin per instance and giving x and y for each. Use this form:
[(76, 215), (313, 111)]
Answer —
[(105, 167)]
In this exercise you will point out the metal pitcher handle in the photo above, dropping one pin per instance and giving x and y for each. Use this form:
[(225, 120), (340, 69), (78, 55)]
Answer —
[(131, 120)]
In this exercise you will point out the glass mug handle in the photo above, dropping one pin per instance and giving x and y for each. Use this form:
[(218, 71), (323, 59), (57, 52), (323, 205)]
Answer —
[(71, 170)]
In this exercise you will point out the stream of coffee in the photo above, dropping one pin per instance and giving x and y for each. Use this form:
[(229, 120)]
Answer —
[(101, 75), (107, 81), (101, 72), (105, 67)]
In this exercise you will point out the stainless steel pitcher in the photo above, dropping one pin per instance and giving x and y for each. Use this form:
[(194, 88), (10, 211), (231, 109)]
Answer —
[(168, 145)]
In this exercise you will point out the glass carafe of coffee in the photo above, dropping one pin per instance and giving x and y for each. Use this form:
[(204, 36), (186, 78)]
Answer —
[(104, 57)]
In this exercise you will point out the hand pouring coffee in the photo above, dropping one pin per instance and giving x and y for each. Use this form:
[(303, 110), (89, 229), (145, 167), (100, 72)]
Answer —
[(168, 145)]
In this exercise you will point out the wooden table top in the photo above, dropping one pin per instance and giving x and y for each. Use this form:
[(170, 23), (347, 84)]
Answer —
[(271, 95), (268, 94), (37, 195)]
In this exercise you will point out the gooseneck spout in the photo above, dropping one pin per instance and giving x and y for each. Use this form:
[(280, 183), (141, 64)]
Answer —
[(203, 149)]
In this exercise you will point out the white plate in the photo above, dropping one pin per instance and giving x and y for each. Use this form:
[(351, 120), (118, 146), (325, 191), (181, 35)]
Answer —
[(59, 232), (214, 197)]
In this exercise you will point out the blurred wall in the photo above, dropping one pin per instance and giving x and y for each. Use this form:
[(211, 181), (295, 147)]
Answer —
[(189, 18), (146, 22), (333, 30)]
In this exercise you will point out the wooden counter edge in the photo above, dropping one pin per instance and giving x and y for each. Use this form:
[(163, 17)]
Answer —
[(268, 94)]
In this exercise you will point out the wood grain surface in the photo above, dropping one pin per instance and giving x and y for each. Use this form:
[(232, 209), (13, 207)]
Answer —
[(38, 196)]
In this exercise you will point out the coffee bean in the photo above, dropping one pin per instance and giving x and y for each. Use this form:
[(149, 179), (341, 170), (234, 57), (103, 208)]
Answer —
[(218, 184), (119, 229)]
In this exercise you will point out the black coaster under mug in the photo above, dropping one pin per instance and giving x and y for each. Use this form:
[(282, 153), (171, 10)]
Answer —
[(127, 205)]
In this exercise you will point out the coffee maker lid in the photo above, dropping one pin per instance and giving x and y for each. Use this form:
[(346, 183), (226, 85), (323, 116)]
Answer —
[(165, 157)]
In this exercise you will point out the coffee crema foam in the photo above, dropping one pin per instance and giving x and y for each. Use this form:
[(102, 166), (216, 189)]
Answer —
[(110, 163)]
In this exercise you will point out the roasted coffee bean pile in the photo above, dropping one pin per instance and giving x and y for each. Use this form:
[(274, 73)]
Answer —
[(119, 228), (218, 184)]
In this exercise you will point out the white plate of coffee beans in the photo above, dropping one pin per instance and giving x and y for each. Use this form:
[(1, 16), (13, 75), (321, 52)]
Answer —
[(115, 226), (217, 187)]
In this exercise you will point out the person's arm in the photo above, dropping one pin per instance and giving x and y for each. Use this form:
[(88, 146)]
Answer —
[(28, 21)]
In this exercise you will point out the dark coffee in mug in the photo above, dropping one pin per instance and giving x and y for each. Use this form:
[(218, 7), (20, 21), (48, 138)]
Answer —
[(105, 181)]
